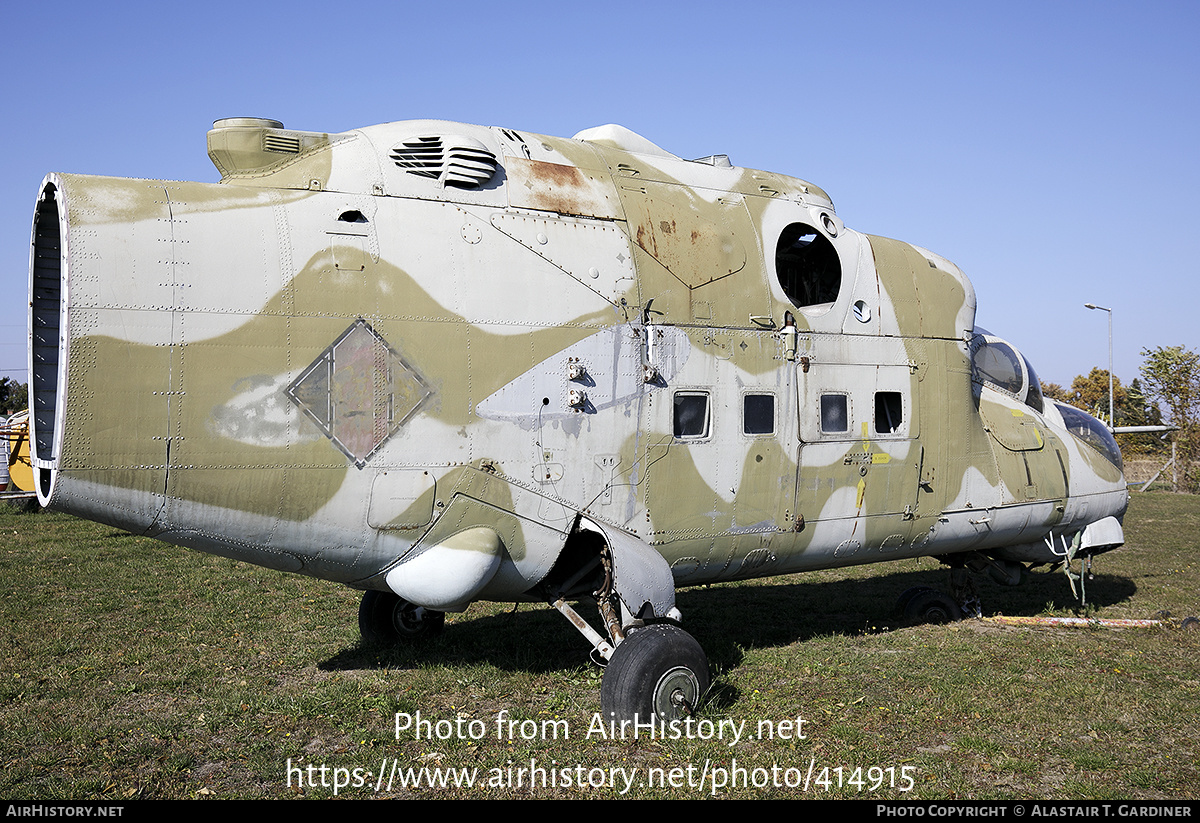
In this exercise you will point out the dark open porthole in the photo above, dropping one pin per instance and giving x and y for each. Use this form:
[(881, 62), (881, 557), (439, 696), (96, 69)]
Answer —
[(807, 266)]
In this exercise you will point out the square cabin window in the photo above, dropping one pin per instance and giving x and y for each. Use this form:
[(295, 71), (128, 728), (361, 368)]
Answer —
[(758, 414), (889, 412), (691, 415), (835, 413)]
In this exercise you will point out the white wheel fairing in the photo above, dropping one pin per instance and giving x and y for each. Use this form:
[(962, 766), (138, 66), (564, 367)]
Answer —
[(447, 576)]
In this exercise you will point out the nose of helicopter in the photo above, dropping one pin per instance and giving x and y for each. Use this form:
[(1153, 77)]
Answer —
[(1097, 481), (1094, 493)]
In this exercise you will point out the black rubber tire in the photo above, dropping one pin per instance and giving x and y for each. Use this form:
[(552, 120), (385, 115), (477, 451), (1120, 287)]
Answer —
[(932, 607), (903, 600), (659, 670), (1190, 624), (387, 619)]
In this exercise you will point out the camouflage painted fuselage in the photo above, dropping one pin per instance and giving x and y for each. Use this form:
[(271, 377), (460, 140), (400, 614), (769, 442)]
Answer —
[(435, 340)]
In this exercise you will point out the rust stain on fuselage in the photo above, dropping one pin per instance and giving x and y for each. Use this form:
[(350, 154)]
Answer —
[(536, 184)]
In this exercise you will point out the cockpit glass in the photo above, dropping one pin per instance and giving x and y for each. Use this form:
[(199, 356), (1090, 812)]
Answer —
[(1033, 394), (997, 363), (1091, 431)]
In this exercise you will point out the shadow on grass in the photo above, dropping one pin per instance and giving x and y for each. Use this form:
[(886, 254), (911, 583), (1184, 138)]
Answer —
[(726, 619), (777, 615), (533, 639)]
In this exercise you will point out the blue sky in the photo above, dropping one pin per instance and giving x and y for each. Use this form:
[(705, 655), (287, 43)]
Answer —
[(1047, 148)]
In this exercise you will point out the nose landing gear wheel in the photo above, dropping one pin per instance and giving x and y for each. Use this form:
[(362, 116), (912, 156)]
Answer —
[(904, 599), (932, 606), (659, 670), (386, 618)]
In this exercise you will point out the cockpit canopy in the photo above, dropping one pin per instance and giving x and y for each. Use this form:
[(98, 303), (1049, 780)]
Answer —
[(1091, 431), (999, 365)]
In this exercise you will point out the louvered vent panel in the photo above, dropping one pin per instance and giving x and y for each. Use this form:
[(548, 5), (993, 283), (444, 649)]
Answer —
[(281, 143), (421, 156), (452, 160)]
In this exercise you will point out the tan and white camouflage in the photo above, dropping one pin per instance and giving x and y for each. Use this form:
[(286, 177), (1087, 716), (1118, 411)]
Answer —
[(447, 363)]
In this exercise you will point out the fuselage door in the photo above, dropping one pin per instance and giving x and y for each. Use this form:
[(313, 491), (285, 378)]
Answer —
[(720, 455), (859, 455)]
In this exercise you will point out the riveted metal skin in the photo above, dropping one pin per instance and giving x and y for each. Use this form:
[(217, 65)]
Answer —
[(355, 351)]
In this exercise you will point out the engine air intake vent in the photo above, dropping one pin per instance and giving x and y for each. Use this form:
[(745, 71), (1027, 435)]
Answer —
[(452, 160)]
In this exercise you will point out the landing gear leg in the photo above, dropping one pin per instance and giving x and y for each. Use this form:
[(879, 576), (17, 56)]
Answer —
[(653, 668), (962, 587)]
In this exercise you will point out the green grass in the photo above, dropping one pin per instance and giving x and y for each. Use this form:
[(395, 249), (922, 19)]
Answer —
[(131, 669)]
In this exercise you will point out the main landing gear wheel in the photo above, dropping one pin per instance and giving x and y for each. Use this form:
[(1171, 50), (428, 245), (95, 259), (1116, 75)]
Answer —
[(931, 606), (386, 618), (658, 670)]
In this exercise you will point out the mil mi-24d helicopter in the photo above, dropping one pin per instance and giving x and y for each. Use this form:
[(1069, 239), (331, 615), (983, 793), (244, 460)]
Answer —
[(445, 363)]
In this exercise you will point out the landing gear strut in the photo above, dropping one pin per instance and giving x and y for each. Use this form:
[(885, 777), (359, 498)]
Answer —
[(652, 667)]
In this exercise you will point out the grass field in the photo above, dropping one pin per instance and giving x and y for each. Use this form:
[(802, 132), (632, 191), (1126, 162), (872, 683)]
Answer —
[(134, 669)]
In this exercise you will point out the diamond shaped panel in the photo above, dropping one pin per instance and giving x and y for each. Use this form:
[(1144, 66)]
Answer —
[(359, 392)]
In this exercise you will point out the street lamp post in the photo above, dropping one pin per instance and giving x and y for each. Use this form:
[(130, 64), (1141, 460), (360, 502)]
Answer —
[(1111, 420)]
